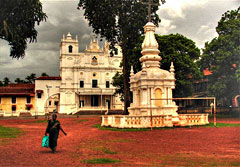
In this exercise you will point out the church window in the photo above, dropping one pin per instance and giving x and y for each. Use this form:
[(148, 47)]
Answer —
[(81, 84), (70, 48), (94, 74), (94, 60), (94, 83), (28, 99), (107, 84), (49, 103), (14, 100), (39, 95)]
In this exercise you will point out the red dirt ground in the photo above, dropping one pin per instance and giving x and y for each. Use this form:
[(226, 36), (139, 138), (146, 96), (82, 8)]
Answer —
[(196, 146)]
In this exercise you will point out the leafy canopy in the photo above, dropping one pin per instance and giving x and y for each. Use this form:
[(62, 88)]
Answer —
[(222, 57), (174, 48), (17, 23)]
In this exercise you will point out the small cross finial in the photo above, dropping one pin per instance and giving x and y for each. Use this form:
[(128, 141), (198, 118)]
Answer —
[(149, 8)]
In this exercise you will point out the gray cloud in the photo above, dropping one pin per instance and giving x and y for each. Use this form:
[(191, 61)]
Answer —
[(193, 18)]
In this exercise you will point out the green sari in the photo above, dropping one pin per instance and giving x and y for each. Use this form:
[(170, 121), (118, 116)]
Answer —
[(53, 130)]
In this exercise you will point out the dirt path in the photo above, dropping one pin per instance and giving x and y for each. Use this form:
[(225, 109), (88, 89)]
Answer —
[(165, 147)]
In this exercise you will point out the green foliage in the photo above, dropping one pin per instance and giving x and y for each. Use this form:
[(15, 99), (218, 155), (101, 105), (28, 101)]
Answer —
[(31, 78), (118, 83), (173, 48), (44, 74), (222, 57), (8, 132), (6, 81), (18, 81), (17, 23), (100, 161)]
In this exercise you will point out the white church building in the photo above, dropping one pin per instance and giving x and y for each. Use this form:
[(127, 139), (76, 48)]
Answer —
[(84, 83)]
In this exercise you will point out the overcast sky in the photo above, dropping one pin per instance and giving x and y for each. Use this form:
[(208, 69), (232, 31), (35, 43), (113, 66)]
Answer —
[(195, 19)]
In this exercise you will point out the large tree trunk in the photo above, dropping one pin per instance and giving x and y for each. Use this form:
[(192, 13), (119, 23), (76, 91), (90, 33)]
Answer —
[(125, 78)]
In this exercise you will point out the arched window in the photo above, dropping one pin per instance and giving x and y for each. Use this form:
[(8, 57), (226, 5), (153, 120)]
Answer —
[(70, 48)]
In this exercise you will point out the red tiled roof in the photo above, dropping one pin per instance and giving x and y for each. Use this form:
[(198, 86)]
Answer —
[(207, 72), (48, 78), (17, 90)]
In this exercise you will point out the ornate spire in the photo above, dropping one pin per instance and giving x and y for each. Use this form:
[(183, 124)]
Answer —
[(172, 68), (150, 47), (69, 36), (131, 72)]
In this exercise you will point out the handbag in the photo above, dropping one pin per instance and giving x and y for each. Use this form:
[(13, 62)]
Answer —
[(45, 141)]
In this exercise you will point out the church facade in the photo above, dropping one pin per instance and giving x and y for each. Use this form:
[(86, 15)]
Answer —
[(85, 80)]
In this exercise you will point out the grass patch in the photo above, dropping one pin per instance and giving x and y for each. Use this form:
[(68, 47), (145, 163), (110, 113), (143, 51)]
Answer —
[(100, 161), (211, 124), (81, 120), (120, 129), (8, 132), (40, 121), (224, 116), (107, 151), (104, 150), (219, 125)]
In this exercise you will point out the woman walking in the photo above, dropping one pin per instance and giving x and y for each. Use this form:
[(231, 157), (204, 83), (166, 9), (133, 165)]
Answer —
[(53, 131)]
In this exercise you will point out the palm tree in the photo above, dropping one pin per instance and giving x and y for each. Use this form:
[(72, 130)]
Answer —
[(18, 81), (31, 78), (6, 81)]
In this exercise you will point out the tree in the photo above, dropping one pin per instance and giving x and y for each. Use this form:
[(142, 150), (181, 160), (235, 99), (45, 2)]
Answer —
[(18, 81), (222, 57), (119, 21), (44, 74), (173, 48), (31, 78), (17, 23), (6, 81)]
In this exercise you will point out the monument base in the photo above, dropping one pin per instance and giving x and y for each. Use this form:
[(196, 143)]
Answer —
[(127, 121)]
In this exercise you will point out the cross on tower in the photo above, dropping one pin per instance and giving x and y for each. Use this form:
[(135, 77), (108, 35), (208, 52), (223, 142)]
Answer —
[(150, 3)]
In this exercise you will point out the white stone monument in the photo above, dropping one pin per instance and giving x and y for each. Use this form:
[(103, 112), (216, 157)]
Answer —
[(152, 82), (152, 94)]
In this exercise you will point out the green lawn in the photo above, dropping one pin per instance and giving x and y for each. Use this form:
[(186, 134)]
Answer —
[(100, 161), (8, 132), (219, 125)]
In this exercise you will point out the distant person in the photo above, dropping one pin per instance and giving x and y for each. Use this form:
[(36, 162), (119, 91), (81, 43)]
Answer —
[(53, 131)]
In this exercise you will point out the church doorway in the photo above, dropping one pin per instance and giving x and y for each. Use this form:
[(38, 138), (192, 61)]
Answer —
[(94, 100)]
